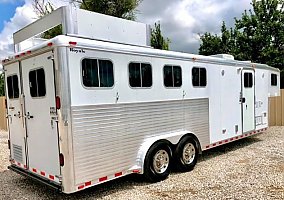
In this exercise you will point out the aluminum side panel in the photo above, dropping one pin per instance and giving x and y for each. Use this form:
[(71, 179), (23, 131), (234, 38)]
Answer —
[(107, 138)]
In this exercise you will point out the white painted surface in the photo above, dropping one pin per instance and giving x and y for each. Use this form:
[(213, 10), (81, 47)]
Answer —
[(248, 106), (42, 142), (16, 119)]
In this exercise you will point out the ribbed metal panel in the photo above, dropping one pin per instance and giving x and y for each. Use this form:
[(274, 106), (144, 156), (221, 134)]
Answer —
[(18, 153), (106, 138)]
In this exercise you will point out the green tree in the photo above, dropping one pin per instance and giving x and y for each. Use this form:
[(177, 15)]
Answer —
[(157, 39), (125, 9), (257, 36)]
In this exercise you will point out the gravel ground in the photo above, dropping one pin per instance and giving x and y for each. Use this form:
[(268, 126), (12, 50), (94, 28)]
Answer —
[(251, 168)]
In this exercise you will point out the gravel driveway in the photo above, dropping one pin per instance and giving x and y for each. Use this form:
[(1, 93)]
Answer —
[(251, 168)]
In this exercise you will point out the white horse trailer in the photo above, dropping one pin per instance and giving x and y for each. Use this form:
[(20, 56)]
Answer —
[(97, 103)]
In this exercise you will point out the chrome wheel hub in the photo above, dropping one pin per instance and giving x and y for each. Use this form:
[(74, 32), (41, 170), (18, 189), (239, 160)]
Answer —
[(161, 161), (188, 153)]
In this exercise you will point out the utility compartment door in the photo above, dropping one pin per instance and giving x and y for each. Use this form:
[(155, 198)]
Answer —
[(41, 120), (247, 100), (15, 109)]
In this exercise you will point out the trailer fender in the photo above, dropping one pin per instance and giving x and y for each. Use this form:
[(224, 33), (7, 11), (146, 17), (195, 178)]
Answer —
[(171, 138)]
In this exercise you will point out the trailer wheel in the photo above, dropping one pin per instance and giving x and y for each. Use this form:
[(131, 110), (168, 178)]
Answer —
[(186, 154), (157, 162)]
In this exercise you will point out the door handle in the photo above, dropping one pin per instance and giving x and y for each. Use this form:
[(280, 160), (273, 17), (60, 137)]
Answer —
[(18, 115), (29, 116), (243, 100)]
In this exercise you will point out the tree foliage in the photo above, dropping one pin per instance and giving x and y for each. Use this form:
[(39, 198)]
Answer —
[(257, 36), (125, 9), (157, 39)]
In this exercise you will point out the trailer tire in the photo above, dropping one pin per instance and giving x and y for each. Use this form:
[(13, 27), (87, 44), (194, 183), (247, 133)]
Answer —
[(157, 162), (186, 154)]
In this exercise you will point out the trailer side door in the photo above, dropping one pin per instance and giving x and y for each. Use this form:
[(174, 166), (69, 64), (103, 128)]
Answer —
[(247, 100), (15, 111), (41, 118)]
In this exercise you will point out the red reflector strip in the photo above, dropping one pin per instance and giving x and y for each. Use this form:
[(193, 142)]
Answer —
[(81, 187), (34, 170), (136, 171), (88, 183), (51, 177), (103, 179), (118, 174), (42, 173)]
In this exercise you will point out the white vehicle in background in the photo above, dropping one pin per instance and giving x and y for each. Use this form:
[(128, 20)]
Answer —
[(98, 103)]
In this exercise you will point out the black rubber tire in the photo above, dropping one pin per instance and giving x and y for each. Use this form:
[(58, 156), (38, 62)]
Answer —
[(149, 173), (178, 154)]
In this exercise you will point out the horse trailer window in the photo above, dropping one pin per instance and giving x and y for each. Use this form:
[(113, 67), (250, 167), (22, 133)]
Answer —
[(37, 83), (172, 76), (199, 77), (273, 80), (13, 87), (97, 73), (248, 82), (140, 75)]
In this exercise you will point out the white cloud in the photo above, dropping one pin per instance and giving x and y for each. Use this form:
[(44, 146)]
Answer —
[(183, 20)]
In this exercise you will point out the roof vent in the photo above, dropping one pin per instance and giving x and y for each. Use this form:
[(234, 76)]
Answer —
[(224, 56)]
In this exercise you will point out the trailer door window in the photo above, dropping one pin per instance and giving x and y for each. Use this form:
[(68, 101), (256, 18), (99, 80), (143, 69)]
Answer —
[(248, 82), (199, 77), (37, 83), (273, 80), (140, 75), (172, 76), (13, 86), (97, 73)]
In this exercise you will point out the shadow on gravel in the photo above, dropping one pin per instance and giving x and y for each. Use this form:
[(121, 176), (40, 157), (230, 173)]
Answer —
[(30, 189)]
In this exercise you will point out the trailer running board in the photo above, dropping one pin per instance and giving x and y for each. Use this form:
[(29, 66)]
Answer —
[(47, 182)]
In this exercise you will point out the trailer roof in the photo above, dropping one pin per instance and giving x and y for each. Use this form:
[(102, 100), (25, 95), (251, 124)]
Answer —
[(80, 42)]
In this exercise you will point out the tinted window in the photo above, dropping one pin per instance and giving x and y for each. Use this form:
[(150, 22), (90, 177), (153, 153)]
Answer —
[(140, 75), (13, 86), (37, 83), (248, 81), (97, 73), (199, 77), (273, 79), (172, 76)]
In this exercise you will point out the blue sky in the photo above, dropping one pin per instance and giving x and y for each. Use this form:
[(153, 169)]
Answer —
[(7, 10)]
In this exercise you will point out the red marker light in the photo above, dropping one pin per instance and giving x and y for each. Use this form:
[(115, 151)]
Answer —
[(73, 43), (50, 44), (29, 52), (58, 103)]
